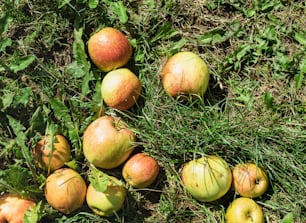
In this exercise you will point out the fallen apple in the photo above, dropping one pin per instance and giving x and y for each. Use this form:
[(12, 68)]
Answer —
[(185, 73), (207, 178), (109, 49), (250, 180), (52, 153), (140, 170), (109, 201), (244, 210), (13, 208), (108, 142), (120, 89), (65, 190)]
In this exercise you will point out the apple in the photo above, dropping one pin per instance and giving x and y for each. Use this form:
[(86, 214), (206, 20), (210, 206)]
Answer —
[(106, 203), (244, 210), (13, 208), (109, 49), (140, 170), (185, 73), (65, 190), (120, 89), (108, 142), (250, 180), (207, 178), (49, 158)]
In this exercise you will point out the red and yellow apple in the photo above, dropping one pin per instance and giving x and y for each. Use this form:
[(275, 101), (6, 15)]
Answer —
[(65, 190), (140, 170), (185, 73), (207, 178), (120, 89), (50, 157), (244, 210), (250, 180), (106, 203), (108, 142), (13, 208), (109, 49)]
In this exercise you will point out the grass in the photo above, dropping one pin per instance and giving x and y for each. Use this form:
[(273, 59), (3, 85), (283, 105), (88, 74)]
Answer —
[(254, 109)]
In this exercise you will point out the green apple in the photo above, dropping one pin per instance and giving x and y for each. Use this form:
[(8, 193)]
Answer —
[(108, 142), (109, 201), (244, 210), (120, 89), (207, 178), (185, 73)]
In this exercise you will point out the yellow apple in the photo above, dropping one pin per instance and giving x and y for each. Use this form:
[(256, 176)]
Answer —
[(49, 158), (108, 202), (65, 190), (185, 73), (108, 142), (250, 180), (120, 89), (244, 210), (207, 178), (140, 170), (13, 208), (109, 49)]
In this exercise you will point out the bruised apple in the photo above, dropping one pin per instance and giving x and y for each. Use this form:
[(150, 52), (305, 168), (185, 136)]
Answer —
[(107, 202), (108, 142), (52, 153), (250, 180), (109, 49), (244, 210), (65, 190), (13, 208), (140, 170), (120, 89), (207, 178), (185, 73)]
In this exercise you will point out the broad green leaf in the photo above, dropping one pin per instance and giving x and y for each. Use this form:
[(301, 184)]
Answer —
[(60, 110), (23, 98), (85, 84), (37, 121), (302, 66), (299, 80), (268, 98), (120, 10), (72, 164), (5, 20), (7, 100), (242, 51), (288, 218), (98, 179), (33, 214), (78, 49), (76, 70), (5, 43), (300, 37), (22, 63), (93, 4), (16, 176), (20, 139)]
